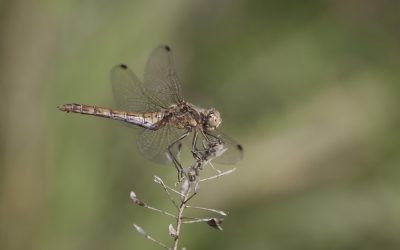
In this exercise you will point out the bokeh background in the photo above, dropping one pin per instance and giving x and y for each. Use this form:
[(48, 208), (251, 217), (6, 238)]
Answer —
[(310, 88)]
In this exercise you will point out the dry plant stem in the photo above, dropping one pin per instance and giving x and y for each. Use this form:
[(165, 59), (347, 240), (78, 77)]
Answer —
[(208, 209), (165, 187), (157, 242), (161, 211), (218, 175), (140, 203), (144, 234), (179, 220), (197, 220), (189, 188)]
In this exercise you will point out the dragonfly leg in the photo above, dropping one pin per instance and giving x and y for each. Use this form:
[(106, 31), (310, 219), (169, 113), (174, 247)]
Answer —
[(210, 143), (194, 148), (177, 164), (214, 136), (205, 135), (209, 137)]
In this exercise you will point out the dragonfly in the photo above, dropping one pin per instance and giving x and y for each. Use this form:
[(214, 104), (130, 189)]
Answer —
[(157, 106)]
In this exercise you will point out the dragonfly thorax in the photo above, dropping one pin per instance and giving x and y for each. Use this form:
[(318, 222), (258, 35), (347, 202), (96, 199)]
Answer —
[(183, 115), (187, 115)]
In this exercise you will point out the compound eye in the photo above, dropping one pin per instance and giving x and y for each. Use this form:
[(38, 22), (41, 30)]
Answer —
[(212, 119)]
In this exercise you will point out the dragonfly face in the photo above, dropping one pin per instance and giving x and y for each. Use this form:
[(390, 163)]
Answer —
[(158, 107), (213, 119)]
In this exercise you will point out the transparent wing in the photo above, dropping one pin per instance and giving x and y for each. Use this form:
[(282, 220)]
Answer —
[(160, 78), (153, 144), (129, 93), (227, 150)]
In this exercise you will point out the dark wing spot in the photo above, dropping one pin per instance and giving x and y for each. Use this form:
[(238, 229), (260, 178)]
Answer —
[(167, 48), (123, 66), (239, 147)]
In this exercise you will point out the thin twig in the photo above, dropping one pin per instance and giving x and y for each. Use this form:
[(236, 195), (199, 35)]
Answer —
[(179, 220), (208, 209), (140, 203), (144, 234), (219, 175), (212, 166), (161, 182), (161, 211), (197, 220), (212, 222)]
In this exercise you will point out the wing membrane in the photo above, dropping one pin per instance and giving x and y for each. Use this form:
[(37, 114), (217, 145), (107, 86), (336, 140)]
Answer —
[(154, 144), (129, 93), (160, 78)]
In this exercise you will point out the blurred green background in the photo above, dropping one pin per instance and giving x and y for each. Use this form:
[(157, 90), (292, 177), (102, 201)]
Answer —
[(311, 89)]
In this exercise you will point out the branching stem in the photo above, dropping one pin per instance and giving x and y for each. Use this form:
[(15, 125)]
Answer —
[(179, 220)]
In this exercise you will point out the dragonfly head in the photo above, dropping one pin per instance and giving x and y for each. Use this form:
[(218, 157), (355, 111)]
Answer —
[(212, 119)]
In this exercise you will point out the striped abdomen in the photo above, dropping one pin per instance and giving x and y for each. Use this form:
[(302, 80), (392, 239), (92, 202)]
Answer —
[(149, 120)]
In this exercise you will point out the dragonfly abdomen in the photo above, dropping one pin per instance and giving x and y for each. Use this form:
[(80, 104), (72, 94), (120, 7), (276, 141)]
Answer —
[(146, 120)]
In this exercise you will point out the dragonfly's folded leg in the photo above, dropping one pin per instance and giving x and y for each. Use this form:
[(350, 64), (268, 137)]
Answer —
[(195, 150), (177, 164)]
